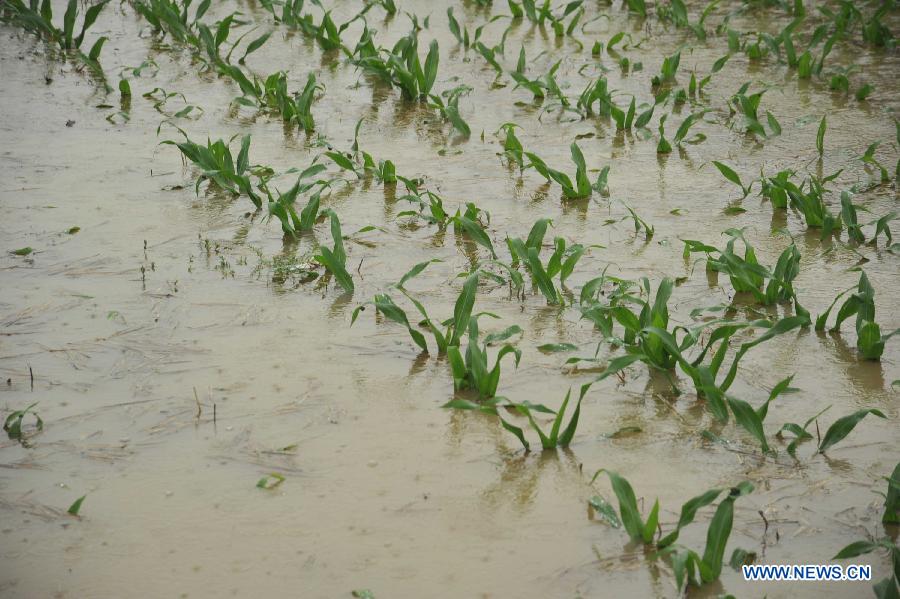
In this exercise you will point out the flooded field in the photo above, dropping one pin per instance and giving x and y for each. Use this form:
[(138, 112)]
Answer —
[(224, 352)]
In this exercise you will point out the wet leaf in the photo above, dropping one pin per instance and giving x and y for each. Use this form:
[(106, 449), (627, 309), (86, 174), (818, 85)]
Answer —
[(843, 426), (605, 510), (76, 506)]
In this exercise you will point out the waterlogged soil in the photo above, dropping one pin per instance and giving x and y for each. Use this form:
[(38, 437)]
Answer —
[(164, 299)]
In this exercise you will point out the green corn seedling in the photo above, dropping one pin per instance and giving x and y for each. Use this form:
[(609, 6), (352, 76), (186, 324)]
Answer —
[(39, 21), (172, 17), (549, 441), (469, 224), (647, 338), (447, 333), (217, 165), (450, 110), (403, 68), (745, 272), (335, 259), (686, 563), (281, 205), (472, 370), (639, 530), (512, 146), (582, 186), (694, 569), (869, 340), (461, 33), (668, 70), (561, 262)]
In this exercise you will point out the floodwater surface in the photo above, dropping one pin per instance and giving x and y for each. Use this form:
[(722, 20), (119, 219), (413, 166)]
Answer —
[(177, 354)]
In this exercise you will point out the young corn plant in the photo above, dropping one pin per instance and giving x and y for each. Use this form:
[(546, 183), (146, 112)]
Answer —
[(668, 70), (664, 147), (560, 264), (281, 205), (449, 110), (733, 177), (447, 333), (686, 563), (327, 33), (749, 108), (629, 516), (402, 67), (172, 17), (869, 339), (582, 187), (808, 200), (597, 92), (512, 146), (335, 259), (461, 33), (469, 225), (689, 566), (296, 108), (842, 427), (556, 438), (219, 167), (471, 371), (271, 94), (430, 208), (774, 188), (745, 272), (39, 21), (646, 338)]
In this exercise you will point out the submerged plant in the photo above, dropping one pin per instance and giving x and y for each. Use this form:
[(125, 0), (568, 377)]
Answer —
[(869, 340), (697, 569), (335, 259), (450, 109), (549, 441), (582, 187), (561, 262), (455, 327), (13, 423), (688, 565), (646, 338), (218, 166), (745, 272), (281, 205), (732, 176), (402, 67), (39, 21), (471, 371)]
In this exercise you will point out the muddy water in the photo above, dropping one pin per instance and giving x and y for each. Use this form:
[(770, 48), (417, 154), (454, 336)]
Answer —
[(163, 293)]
